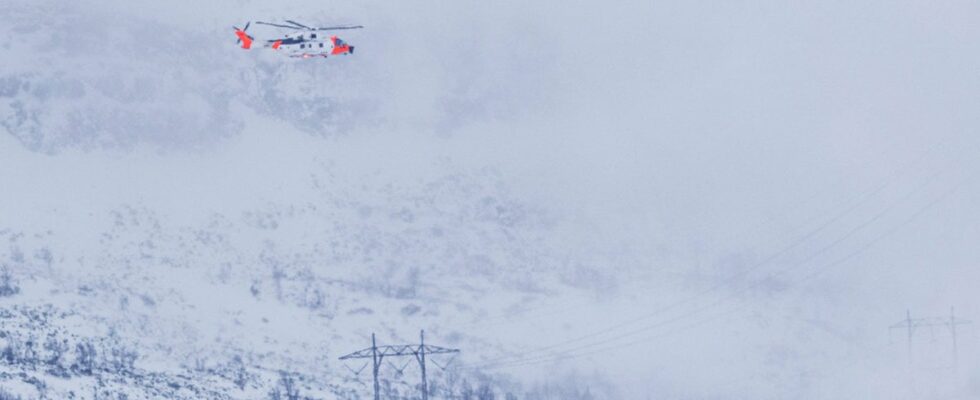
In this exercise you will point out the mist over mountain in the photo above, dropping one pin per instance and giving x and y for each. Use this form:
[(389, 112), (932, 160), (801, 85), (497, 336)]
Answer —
[(591, 201)]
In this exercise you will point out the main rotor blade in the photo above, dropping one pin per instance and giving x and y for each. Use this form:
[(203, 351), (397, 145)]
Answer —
[(298, 24), (338, 28), (276, 25), (246, 26)]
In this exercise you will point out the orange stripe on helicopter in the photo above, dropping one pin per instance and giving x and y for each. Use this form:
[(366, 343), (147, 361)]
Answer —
[(339, 46)]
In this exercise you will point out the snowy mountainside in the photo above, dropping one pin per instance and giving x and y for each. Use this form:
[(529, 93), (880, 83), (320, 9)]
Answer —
[(284, 288), (638, 200), (179, 234), (121, 74), (66, 86)]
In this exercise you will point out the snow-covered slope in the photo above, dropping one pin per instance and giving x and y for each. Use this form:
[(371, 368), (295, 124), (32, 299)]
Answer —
[(230, 259), (117, 74), (176, 225), (689, 200)]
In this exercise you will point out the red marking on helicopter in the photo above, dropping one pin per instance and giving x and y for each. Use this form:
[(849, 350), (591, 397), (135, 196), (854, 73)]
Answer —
[(243, 37), (339, 47), (305, 42)]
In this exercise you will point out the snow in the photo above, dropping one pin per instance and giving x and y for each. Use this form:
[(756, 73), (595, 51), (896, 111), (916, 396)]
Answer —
[(590, 202)]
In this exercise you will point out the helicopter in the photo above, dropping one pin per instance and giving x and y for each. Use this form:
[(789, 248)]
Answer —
[(306, 42)]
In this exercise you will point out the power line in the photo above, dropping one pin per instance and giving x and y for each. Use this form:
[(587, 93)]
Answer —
[(890, 232), (729, 280), (860, 201)]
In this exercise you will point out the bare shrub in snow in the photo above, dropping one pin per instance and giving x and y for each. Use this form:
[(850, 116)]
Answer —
[(7, 285)]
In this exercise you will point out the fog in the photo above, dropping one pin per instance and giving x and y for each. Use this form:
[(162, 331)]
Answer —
[(678, 200)]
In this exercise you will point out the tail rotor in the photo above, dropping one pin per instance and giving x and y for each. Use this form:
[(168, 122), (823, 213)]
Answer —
[(243, 37)]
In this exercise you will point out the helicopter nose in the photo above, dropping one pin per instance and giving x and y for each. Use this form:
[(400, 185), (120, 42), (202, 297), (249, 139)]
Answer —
[(351, 50)]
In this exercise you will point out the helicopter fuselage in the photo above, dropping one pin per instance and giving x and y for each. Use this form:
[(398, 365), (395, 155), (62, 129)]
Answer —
[(311, 44)]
